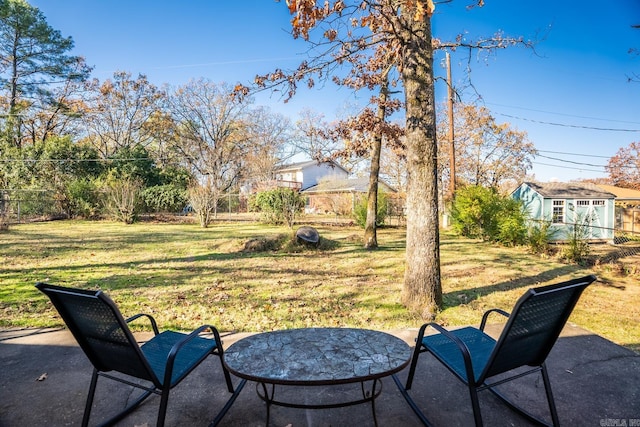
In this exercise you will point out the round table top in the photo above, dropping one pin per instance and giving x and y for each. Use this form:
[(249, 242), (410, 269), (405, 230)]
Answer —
[(317, 356)]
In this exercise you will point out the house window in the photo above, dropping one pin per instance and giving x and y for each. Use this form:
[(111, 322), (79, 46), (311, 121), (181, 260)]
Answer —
[(558, 212), (598, 203), (583, 202)]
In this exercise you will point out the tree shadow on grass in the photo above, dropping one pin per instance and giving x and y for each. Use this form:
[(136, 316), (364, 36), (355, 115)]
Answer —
[(458, 297)]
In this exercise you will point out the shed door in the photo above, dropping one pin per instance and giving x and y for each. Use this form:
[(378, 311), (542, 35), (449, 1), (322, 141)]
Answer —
[(591, 214)]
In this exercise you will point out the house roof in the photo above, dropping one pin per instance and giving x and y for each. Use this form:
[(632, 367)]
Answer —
[(570, 190), (356, 185), (302, 165), (621, 193)]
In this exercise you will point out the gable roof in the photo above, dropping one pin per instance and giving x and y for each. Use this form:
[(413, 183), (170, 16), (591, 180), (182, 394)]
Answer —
[(301, 165), (570, 190), (356, 185), (621, 193)]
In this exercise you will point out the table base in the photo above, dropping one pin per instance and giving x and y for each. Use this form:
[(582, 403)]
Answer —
[(368, 395)]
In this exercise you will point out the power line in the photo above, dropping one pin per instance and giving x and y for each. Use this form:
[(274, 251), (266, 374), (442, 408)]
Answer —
[(581, 163), (573, 154), (568, 167), (73, 160), (570, 161), (555, 113), (569, 125)]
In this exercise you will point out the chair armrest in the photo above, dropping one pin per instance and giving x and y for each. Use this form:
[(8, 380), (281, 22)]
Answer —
[(178, 345), (486, 314), (154, 325)]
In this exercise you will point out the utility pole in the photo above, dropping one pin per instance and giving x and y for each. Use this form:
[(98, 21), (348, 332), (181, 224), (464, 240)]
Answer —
[(452, 149)]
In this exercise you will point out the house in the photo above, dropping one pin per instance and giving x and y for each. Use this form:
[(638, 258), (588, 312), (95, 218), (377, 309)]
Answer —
[(307, 174), (627, 211), (566, 205), (339, 195)]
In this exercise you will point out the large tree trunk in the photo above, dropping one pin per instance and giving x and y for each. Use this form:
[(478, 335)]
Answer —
[(422, 287)]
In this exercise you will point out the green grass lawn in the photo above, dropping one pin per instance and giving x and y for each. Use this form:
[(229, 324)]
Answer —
[(186, 276)]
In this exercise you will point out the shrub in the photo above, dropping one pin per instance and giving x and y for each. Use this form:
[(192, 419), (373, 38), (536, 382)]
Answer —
[(577, 247), (123, 198), (278, 206), (512, 230), (538, 236), (360, 210), (512, 222), (482, 213), (164, 198), (83, 200), (203, 200), (575, 250), (472, 211)]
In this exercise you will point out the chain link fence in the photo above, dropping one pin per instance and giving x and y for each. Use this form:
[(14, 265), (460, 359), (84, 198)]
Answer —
[(22, 206), (18, 206)]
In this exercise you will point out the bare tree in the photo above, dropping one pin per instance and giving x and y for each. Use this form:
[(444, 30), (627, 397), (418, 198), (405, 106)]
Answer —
[(488, 153), (624, 167), (213, 133), (269, 135), (119, 112), (312, 135)]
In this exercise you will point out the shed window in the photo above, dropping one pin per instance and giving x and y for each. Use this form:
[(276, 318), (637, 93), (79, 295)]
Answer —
[(558, 212), (582, 202), (598, 203)]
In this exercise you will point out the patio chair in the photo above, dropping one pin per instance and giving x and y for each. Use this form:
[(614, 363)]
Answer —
[(104, 336), (525, 341)]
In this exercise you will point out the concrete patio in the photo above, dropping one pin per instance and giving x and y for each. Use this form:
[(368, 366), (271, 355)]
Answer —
[(45, 377)]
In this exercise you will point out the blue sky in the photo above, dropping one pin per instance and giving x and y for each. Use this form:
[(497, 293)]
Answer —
[(571, 96)]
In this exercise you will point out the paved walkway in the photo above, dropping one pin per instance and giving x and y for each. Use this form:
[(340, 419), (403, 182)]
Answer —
[(44, 378)]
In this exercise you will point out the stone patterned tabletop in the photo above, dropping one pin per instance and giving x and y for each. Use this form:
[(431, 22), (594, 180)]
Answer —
[(317, 356)]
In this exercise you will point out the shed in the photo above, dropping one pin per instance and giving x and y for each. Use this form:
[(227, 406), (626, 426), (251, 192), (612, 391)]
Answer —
[(627, 208), (567, 205)]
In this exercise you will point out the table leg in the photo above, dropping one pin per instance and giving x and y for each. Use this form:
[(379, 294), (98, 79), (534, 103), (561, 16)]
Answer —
[(267, 399), (371, 395)]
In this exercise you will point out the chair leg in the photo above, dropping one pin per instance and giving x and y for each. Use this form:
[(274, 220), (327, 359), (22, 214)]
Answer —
[(227, 377), (475, 404), (411, 402), (531, 417), (414, 357), (89, 403), (227, 406), (547, 389), (162, 411)]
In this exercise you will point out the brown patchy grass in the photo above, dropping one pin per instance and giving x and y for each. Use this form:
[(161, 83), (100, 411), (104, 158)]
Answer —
[(185, 276)]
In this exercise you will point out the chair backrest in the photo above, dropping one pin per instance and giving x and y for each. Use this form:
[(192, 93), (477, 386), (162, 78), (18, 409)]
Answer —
[(101, 331), (534, 326)]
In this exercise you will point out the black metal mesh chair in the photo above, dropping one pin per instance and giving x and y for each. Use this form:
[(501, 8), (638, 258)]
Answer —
[(104, 336), (526, 340)]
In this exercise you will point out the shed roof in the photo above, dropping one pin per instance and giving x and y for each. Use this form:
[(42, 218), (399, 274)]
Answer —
[(357, 185), (570, 190), (621, 193)]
